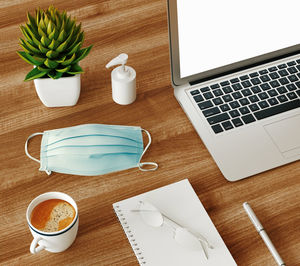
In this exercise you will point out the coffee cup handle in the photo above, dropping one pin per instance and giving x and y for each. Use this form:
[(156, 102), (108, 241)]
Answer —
[(33, 247)]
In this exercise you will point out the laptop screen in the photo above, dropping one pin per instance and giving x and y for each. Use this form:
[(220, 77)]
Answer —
[(215, 33)]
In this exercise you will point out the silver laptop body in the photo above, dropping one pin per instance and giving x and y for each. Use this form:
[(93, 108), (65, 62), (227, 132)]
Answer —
[(241, 149)]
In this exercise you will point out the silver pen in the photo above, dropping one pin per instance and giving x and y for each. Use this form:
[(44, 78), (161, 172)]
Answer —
[(263, 234)]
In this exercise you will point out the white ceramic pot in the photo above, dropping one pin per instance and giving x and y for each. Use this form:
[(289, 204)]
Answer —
[(58, 92)]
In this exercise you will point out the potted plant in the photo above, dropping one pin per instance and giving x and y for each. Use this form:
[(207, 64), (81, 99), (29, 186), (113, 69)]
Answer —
[(52, 44)]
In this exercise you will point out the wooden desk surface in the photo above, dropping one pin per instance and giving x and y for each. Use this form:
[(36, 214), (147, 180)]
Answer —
[(138, 28)]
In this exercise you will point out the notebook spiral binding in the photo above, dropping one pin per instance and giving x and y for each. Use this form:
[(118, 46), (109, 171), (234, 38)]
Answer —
[(130, 236)]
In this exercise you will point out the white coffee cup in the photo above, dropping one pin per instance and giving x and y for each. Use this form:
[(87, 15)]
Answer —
[(52, 241)]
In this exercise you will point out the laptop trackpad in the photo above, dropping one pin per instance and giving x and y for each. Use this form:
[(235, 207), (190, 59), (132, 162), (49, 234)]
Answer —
[(286, 135)]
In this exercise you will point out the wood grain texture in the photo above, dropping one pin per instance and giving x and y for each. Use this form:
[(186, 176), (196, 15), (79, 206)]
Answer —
[(139, 28)]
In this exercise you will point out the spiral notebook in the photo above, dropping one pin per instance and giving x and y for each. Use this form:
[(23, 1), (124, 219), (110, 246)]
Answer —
[(156, 246)]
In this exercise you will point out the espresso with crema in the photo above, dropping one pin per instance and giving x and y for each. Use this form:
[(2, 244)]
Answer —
[(52, 215)]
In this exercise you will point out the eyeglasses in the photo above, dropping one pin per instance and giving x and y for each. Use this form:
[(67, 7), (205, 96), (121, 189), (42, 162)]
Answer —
[(153, 217)]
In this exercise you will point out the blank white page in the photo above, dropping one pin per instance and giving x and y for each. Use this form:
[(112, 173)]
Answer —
[(215, 33)]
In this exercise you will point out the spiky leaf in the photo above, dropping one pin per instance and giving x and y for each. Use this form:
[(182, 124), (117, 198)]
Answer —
[(31, 47), (69, 61), (60, 60), (43, 49), (53, 44), (62, 36), (44, 69), (34, 74), (29, 59), (75, 49), (52, 54), (63, 70), (50, 63), (62, 47), (54, 74), (31, 20), (45, 41), (82, 53), (75, 69)]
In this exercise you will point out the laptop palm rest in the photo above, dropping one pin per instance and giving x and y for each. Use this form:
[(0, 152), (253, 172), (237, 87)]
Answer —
[(286, 135)]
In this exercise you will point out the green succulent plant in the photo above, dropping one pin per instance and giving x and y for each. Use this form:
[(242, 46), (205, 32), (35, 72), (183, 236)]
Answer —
[(52, 43)]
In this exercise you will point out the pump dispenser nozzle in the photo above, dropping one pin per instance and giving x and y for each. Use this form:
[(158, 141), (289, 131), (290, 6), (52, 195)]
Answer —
[(122, 80)]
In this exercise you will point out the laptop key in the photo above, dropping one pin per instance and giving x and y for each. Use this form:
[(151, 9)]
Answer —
[(195, 92), (291, 87), (291, 63), (293, 78), (298, 84), (274, 84), (237, 86), (234, 104), (215, 86), (235, 80), (244, 110), (256, 89), (253, 75), (271, 69), (224, 83), (234, 113), (265, 86), (274, 75), (283, 73), (282, 90), (246, 92), (282, 98), (292, 70), (248, 118), (273, 101), (217, 128), (298, 92), (211, 111), (217, 101), (262, 72), (255, 81), (283, 81), (205, 105), (254, 107), (227, 89), (272, 93), (265, 78), (218, 92), (237, 95), (227, 98), (253, 99), (198, 98), (263, 104), (227, 125), (218, 118), (244, 77), (263, 95), (205, 89), (281, 66), (225, 107), (244, 101), (208, 95), (247, 84), (291, 95), (274, 110), (237, 122)]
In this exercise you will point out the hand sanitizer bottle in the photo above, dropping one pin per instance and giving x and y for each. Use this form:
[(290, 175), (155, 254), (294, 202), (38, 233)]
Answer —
[(123, 80)]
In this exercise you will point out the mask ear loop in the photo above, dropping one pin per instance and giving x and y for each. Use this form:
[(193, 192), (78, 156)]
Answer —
[(27, 153), (147, 163)]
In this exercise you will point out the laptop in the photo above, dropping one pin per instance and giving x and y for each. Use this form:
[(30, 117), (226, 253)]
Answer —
[(235, 68)]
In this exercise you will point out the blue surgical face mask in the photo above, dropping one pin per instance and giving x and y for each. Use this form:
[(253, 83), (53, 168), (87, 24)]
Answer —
[(92, 149)]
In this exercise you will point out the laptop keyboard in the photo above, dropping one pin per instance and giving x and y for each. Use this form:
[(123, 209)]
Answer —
[(243, 100)]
